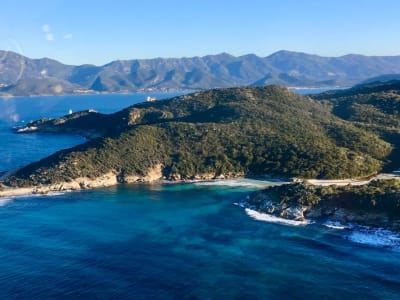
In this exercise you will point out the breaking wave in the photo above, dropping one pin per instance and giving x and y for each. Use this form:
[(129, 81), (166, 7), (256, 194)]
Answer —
[(336, 225), (5, 201), (273, 219), (375, 237)]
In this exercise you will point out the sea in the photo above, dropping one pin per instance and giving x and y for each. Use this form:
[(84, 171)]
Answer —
[(170, 241)]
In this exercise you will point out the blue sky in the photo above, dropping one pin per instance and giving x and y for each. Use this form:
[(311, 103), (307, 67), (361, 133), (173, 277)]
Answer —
[(97, 32)]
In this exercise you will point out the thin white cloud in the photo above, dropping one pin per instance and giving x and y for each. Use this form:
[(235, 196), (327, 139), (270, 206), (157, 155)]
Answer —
[(49, 37), (68, 36), (46, 28)]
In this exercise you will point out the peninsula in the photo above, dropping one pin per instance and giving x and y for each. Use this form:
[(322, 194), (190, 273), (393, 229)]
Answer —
[(223, 133)]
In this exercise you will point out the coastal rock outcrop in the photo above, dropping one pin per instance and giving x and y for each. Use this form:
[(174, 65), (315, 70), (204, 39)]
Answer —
[(153, 174), (374, 204), (264, 203)]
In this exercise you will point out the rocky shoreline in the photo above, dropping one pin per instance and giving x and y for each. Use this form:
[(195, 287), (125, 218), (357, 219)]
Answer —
[(306, 214), (78, 184), (376, 204), (299, 202), (109, 179)]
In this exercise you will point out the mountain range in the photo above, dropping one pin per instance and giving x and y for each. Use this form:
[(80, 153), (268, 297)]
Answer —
[(20, 75)]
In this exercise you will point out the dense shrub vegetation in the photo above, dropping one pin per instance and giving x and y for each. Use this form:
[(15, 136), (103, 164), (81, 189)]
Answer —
[(373, 107), (379, 196), (266, 130)]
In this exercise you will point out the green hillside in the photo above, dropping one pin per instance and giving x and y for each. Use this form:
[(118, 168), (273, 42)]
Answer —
[(374, 107), (228, 132)]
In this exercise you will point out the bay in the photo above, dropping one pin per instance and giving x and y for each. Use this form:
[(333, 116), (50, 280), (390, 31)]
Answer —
[(168, 241), (19, 150)]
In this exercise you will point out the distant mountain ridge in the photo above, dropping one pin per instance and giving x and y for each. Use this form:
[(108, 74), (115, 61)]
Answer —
[(20, 75)]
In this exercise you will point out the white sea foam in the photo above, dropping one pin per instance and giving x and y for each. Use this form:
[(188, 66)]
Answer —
[(273, 219), (52, 194), (250, 183), (241, 204), (48, 194), (4, 201), (375, 237), (335, 225)]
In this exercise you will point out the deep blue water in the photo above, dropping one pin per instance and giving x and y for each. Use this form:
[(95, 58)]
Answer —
[(31, 147), (182, 241)]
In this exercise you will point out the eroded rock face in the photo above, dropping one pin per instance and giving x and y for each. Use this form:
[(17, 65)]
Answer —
[(134, 116), (111, 178), (265, 204), (153, 174), (105, 180)]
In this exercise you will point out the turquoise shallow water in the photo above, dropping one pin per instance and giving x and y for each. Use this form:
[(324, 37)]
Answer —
[(174, 242), (183, 241)]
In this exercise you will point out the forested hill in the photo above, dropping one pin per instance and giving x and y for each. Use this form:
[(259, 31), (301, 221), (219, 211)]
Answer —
[(216, 133), (373, 107)]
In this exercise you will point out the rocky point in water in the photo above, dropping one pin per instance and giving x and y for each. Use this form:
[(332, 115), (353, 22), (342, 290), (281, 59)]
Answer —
[(375, 204)]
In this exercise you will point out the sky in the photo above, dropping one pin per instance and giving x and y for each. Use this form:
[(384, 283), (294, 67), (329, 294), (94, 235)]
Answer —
[(100, 31)]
